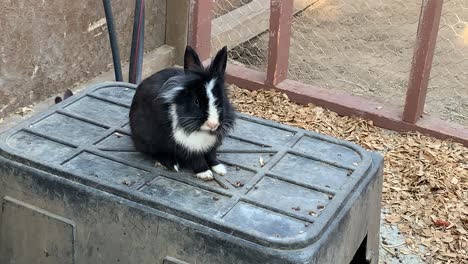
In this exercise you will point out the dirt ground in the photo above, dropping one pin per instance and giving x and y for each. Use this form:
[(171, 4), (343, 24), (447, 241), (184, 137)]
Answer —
[(365, 47), (425, 190)]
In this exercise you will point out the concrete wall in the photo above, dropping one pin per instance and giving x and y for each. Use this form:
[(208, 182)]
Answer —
[(49, 45)]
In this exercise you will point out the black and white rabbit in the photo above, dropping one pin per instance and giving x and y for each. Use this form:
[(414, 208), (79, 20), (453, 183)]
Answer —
[(180, 116)]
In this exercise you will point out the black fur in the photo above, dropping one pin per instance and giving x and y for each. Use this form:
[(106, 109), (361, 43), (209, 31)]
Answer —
[(150, 118), (66, 94)]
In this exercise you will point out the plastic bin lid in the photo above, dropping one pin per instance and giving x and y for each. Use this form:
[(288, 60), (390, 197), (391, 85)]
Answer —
[(284, 185)]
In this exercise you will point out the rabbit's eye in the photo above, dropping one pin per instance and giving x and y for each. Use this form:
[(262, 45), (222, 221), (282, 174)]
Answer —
[(196, 102)]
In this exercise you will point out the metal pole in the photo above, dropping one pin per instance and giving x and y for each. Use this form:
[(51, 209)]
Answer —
[(113, 40), (136, 52)]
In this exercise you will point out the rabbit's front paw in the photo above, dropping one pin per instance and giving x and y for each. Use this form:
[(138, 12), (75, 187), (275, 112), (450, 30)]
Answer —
[(220, 169), (206, 175)]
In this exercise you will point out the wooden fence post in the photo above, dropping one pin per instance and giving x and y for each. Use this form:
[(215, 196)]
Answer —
[(200, 27), (428, 28), (280, 34)]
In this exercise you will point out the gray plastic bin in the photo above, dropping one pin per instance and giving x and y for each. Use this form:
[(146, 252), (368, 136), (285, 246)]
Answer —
[(74, 190)]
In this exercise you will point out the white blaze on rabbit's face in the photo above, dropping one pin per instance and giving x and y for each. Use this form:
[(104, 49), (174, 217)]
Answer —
[(198, 141), (212, 123)]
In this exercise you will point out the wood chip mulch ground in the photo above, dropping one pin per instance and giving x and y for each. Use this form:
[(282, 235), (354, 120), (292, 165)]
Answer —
[(425, 179)]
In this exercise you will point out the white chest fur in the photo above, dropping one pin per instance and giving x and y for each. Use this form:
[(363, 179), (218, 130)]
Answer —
[(196, 141), (199, 141)]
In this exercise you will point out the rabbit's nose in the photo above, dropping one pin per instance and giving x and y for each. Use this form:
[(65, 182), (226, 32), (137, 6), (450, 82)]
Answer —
[(212, 125)]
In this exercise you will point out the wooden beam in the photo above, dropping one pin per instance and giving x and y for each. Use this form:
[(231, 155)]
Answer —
[(426, 39), (200, 27), (240, 25), (280, 39)]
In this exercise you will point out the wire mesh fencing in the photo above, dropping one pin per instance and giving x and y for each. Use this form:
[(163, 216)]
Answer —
[(361, 47), (448, 87), (222, 7), (242, 26)]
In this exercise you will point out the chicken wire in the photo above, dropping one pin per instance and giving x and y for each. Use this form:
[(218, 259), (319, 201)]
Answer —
[(242, 28), (222, 7), (362, 47), (448, 87)]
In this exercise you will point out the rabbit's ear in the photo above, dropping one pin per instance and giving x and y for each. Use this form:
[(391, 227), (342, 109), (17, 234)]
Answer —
[(218, 66), (67, 94), (191, 59)]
